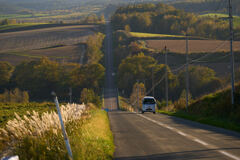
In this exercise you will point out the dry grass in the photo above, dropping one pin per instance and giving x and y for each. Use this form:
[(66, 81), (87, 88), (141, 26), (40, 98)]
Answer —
[(195, 46), (34, 125)]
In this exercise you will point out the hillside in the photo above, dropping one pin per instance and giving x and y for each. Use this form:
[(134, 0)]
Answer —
[(206, 6), (165, 19)]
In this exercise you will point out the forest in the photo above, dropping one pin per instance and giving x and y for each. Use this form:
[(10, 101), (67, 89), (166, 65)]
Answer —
[(40, 77), (206, 6), (166, 19)]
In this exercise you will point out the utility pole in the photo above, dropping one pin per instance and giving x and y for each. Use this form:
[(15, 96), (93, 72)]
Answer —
[(166, 78), (137, 94), (153, 83), (70, 94), (187, 73), (65, 136), (231, 48)]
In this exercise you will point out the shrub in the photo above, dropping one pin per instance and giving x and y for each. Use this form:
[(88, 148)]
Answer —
[(89, 96), (15, 96)]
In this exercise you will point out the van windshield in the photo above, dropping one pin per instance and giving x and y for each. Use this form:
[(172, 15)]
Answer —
[(148, 101)]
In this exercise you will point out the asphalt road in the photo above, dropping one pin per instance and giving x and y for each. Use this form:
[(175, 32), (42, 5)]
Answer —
[(148, 136), (110, 90)]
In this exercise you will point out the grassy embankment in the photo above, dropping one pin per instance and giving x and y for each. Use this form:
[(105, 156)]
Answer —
[(94, 140), (213, 109), (88, 131)]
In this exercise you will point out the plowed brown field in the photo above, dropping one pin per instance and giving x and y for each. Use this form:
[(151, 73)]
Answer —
[(195, 46), (56, 43)]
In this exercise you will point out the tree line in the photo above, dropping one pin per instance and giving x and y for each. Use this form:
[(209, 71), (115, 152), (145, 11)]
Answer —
[(40, 77), (208, 6), (145, 69), (137, 65), (165, 19)]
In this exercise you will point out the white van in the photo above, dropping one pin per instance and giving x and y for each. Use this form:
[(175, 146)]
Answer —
[(149, 104)]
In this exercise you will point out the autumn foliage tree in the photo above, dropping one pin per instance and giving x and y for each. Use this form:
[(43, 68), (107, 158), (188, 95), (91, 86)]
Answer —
[(137, 95), (94, 48), (165, 19), (41, 77), (6, 70)]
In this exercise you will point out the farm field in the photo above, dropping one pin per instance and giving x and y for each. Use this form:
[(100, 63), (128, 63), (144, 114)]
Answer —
[(148, 35), (236, 19), (73, 14), (219, 62), (7, 110), (61, 54), (58, 43), (195, 46), (20, 25)]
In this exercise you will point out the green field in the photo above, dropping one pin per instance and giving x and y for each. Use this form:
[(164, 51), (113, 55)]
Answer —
[(55, 15), (20, 25), (236, 19), (17, 16), (148, 35), (7, 110)]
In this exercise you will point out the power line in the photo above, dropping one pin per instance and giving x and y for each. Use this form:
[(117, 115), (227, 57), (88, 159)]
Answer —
[(187, 74), (210, 52), (231, 49), (166, 77)]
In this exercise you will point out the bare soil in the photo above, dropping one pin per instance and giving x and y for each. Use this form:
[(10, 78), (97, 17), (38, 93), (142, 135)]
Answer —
[(195, 46), (47, 37), (63, 44)]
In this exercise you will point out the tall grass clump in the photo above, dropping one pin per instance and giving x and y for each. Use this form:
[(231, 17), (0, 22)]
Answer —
[(36, 136)]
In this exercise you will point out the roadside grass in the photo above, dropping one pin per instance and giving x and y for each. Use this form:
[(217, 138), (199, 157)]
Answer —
[(146, 35), (89, 135), (213, 109), (94, 140)]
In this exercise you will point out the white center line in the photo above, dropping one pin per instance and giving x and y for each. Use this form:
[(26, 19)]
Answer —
[(201, 142), (181, 133), (191, 137), (229, 155)]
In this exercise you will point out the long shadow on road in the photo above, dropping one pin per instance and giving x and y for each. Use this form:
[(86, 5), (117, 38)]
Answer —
[(186, 155), (195, 125)]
